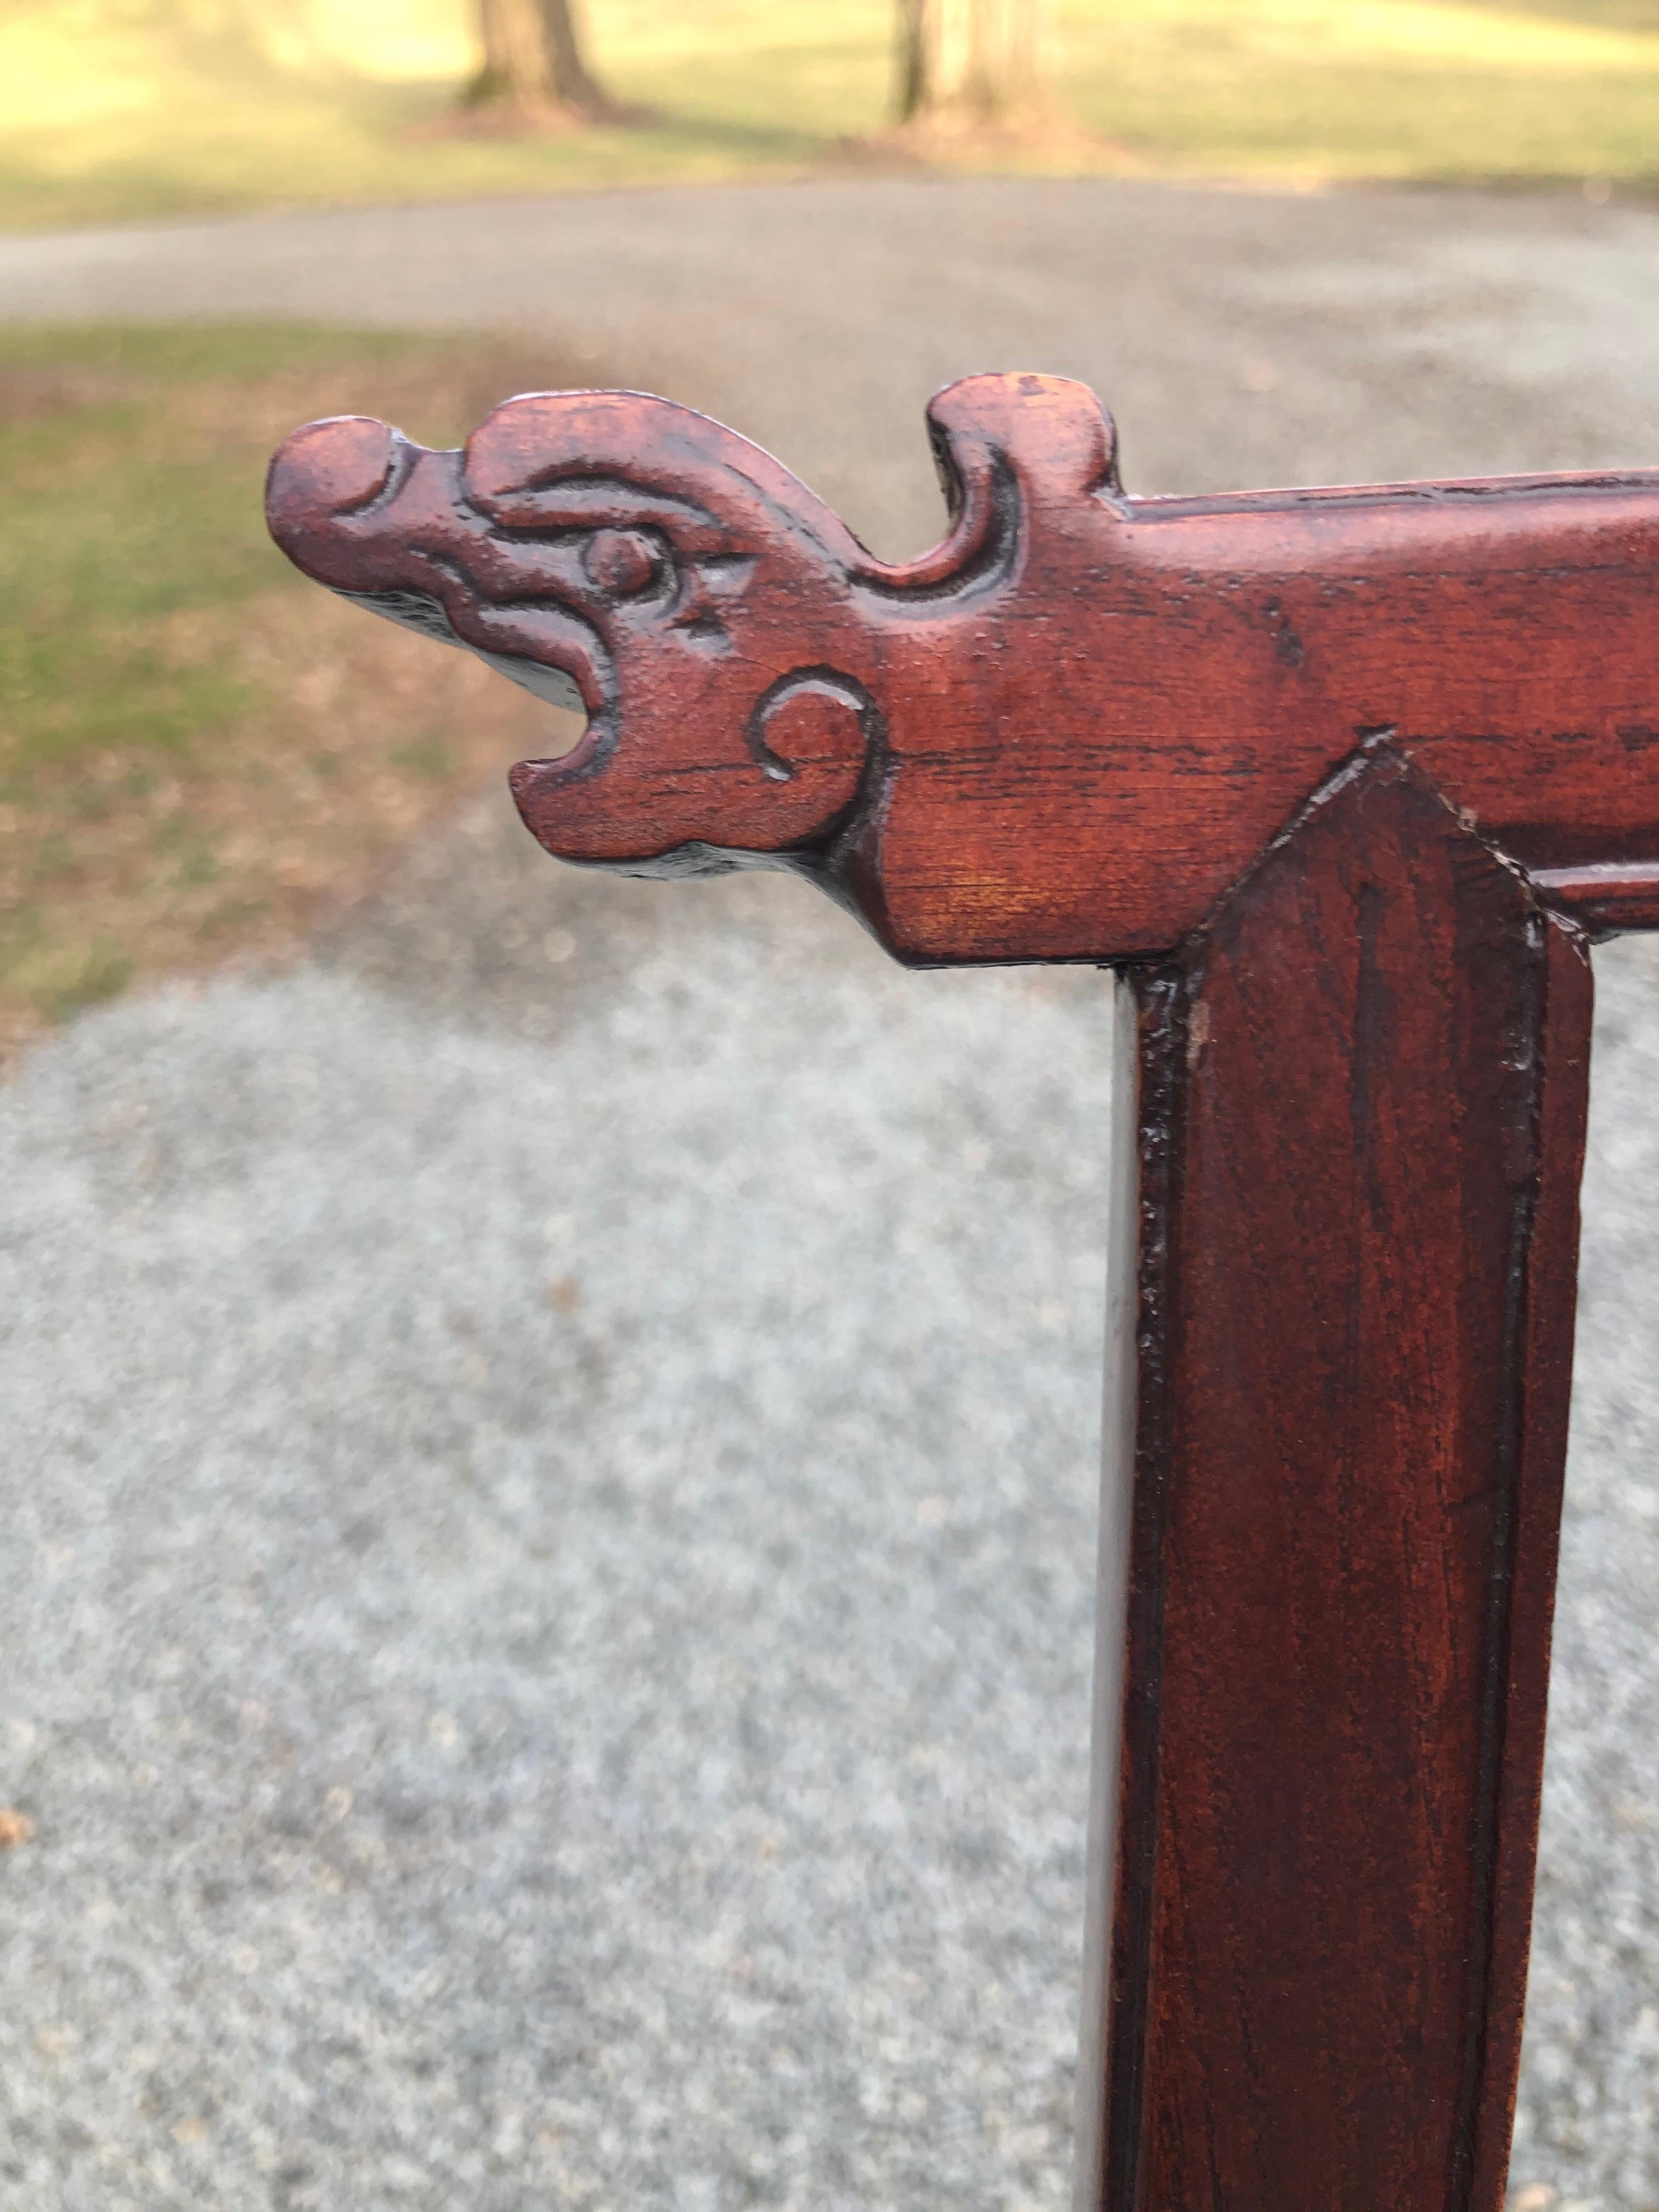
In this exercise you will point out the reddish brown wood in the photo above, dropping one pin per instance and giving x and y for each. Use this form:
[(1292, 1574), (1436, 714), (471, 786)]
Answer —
[(1064, 733), (1342, 772), (1605, 896), (1362, 1118)]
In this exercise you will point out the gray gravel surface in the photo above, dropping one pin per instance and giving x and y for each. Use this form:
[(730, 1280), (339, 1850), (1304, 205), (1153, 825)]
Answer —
[(551, 1470)]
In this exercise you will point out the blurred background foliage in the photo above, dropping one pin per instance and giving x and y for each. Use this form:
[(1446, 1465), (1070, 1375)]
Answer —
[(195, 752), (116, 109)]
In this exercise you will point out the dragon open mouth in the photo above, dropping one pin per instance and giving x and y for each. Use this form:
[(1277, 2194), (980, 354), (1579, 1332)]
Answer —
[(580, 686)]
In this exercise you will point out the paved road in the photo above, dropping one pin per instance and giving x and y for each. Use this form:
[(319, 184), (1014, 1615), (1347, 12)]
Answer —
[(554, 1483)]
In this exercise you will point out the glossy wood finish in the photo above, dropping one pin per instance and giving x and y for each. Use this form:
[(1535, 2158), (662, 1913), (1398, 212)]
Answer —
[(1062, 734), (1362, 1124), (1605, 896), (1345, 779)]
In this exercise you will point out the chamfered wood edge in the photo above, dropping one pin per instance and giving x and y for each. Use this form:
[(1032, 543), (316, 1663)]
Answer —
[(1117, 1490), (1161, 997), (1543, 1395)]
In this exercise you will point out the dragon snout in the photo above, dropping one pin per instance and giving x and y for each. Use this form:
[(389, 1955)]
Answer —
[(326, 470)]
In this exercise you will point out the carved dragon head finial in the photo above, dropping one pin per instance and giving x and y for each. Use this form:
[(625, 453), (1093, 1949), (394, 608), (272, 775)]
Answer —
[(725, 636), (620, 554)]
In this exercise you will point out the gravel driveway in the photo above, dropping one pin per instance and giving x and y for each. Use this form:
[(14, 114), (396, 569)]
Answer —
[(552, 1476)]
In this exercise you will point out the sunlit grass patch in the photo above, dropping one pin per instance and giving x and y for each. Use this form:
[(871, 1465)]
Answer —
[(1398, 89), (195, 748)]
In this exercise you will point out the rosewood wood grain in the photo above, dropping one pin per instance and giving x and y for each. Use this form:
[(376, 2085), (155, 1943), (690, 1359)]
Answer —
[(1343, 779), (1363, 1093), (1062, 734)]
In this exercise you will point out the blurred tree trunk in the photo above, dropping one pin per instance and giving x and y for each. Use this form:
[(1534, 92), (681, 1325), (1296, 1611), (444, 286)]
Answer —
[(572, 80), (970, 63), (533, 61)]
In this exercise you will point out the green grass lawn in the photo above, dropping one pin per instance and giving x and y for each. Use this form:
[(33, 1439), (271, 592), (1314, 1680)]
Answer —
[(112, 110), (195, 745)]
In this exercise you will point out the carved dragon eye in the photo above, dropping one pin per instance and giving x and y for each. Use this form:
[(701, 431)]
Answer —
[(623, 563)]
